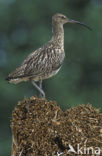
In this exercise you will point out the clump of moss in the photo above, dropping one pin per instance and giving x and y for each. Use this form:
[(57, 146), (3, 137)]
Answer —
[(41, 128)]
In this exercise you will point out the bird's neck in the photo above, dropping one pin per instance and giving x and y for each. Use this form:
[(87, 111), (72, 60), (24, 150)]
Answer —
[(58, 34)]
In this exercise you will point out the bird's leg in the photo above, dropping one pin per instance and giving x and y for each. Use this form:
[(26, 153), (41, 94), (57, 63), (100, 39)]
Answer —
[(40, 84), (38, 88)]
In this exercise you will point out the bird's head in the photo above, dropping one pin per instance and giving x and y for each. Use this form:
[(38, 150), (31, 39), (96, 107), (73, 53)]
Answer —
[(59, 18), (62, 19)]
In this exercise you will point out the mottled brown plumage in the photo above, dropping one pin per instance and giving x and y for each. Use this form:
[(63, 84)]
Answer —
[(46, 61)]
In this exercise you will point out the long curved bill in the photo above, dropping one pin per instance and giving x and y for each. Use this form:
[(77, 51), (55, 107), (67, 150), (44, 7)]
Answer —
[(77, 22)]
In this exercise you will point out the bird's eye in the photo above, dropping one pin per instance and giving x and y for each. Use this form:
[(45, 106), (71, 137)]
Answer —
[(63, 17)]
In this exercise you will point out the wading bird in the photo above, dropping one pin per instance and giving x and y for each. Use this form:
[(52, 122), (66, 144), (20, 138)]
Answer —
[(46, 61)]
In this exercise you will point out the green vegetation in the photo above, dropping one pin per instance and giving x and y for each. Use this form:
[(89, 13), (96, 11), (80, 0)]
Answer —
[(25, 26)]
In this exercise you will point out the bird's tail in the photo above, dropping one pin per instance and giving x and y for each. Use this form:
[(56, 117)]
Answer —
[(17, 75)]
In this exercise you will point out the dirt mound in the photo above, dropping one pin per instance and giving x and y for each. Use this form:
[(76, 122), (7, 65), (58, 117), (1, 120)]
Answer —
[(41, 128)]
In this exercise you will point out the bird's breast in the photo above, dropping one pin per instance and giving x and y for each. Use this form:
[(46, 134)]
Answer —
[(60, 54)]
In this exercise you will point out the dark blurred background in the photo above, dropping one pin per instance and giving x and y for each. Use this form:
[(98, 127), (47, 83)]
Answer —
[(25, 26)]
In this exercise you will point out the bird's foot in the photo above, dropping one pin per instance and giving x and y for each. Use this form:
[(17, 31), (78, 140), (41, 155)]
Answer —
[(42, 95)]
